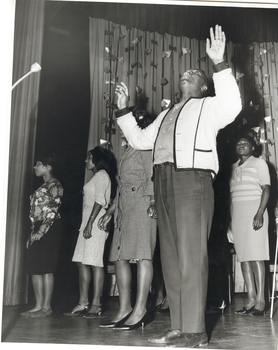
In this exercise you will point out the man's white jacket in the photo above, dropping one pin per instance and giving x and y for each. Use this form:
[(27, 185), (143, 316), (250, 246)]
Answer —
[(196, 126)]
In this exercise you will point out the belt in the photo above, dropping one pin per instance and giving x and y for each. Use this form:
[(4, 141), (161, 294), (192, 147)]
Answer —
[(161, 165)]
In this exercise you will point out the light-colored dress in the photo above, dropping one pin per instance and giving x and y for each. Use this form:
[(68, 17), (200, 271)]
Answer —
[(246, 192), (135, 232), (90, 251)]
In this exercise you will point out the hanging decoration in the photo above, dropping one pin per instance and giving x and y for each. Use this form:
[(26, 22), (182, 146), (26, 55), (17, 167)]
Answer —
[(166, 54), (185, 50), (148, 60), (268, 119), (165, 103), (239, 76)]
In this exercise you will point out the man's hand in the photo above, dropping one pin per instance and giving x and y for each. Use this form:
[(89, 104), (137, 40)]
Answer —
[(215, 47), (122, 93)]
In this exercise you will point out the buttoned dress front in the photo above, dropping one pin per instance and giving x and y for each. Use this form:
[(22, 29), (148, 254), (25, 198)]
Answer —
[(135, 232)]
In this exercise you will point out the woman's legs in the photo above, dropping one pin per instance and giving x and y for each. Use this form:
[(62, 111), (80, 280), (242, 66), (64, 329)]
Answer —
[(144, 280), (98, 282), (248, 276), (48, 286), (37, 282), (84, 272), (259, 273), (123, 278)]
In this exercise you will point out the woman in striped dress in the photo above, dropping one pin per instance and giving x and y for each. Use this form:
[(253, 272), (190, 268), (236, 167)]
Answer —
[(250, 189)]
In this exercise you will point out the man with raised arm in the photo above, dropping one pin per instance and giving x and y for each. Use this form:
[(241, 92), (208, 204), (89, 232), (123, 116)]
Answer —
[(183, 140)]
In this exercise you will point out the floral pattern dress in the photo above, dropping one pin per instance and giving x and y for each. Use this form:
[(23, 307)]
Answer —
[(45, 202)]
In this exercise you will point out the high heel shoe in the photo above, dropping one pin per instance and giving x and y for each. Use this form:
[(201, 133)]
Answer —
[(245, 311), (221, 307), (74, 313), (114, 324), (257, 312), (146, 319), (94, 314)]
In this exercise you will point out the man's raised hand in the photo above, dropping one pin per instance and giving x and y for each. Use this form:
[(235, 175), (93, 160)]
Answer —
[(122, 93), (215, 47)]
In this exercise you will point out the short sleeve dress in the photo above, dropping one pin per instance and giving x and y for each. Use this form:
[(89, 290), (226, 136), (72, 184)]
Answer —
[(246, 192), (135, 232), (90, 251)]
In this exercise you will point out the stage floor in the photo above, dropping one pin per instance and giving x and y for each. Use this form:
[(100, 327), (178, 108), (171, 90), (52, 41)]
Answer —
[(226, 331)]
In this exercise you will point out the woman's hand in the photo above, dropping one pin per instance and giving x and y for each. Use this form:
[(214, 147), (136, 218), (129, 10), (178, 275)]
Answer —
[(122, 93), (215, 47), (152, 211), (103, 221), (32, 238), (258, 221), (87, 232)]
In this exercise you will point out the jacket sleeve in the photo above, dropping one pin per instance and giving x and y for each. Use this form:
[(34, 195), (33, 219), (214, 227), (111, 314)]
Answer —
[(224, 107), (140, 139)]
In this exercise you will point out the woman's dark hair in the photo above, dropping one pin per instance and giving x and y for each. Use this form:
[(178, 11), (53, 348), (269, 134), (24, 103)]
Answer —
[(247, 137), (106, 160), (142, 117), (53, 160)]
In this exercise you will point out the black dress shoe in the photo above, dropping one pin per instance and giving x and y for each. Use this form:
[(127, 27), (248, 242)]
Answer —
[(257, 312), (244, 311), (114, 324), (146, 319), (190, 340), (163, 311), (166, 337)]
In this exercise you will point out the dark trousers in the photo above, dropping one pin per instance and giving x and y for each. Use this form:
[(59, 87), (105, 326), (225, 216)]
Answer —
[(185, 204)]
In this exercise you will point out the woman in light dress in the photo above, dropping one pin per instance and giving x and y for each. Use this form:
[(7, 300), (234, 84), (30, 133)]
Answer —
[(250, 190), (89, 249)]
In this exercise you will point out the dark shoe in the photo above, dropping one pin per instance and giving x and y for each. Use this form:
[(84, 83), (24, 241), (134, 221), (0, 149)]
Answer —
[(157, 307), (163, 311), (244, 311), (166, 337), (114, 324), (74, 313), (94, 314), (191, 340), (257, 312), (146, 319)]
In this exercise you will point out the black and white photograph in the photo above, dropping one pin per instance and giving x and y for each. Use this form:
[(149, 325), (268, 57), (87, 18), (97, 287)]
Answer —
[(139, 181)]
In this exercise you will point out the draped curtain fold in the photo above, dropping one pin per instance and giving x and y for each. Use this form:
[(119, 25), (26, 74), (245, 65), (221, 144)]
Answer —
[(29, 23), (149, 63)]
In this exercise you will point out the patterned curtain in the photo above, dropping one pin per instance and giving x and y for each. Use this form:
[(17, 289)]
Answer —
[(150, 64)]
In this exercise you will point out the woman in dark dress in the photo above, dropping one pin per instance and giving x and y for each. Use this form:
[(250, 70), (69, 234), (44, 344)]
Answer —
[(44, 241), (134, 236)]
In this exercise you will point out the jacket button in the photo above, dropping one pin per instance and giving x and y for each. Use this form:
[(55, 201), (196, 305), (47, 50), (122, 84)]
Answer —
[(133, 189)]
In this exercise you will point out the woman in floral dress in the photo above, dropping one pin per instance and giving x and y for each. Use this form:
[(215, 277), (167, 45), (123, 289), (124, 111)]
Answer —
[(46, 232)]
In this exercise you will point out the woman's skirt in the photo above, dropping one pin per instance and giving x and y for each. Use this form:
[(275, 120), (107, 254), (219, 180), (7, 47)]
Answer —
[(42, 256)]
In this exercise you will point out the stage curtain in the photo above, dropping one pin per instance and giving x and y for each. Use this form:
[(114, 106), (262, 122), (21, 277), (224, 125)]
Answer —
[(149, 63), (29, 22)]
